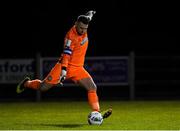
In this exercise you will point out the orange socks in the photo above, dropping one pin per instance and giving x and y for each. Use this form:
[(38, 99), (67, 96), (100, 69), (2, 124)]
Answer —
[(93, 100), (34, 84)]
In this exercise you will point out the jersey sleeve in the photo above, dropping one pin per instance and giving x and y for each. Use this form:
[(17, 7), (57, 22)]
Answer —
[(67, 50)]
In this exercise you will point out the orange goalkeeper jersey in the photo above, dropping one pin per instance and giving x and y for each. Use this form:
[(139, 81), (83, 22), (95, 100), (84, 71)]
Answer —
[(75, 47)]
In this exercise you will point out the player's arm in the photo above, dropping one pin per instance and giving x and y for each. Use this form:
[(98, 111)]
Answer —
[(67, 51)]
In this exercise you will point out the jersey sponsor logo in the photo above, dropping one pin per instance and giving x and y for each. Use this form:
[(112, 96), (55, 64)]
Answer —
[(84, 41)]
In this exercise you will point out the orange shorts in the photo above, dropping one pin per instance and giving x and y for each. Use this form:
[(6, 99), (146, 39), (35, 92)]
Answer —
[(73, 73)]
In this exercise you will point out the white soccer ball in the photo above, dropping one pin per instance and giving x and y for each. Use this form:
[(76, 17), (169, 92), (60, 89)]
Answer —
[(95, 118)]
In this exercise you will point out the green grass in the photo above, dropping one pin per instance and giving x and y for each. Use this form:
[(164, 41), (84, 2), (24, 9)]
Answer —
[(138, 115)]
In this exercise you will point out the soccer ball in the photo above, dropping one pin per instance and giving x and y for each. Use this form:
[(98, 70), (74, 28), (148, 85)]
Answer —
[(95, 118)]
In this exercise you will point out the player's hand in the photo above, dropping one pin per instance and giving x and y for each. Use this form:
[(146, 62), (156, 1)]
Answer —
[(63, 75), (90, 14)]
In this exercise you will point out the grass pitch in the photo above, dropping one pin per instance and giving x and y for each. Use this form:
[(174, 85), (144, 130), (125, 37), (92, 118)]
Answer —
[(137, 115)]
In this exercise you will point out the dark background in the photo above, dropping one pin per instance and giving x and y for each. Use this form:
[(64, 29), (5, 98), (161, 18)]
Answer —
[(148, 28), (118, 27)]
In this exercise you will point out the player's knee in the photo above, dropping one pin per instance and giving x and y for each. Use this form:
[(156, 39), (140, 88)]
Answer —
[(93, 87)]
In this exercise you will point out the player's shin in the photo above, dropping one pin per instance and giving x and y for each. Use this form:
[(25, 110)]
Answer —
[(33, 84), (93, 100)]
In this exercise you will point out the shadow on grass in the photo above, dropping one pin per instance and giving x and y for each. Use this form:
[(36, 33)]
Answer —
[(64, 125), (58, 125)]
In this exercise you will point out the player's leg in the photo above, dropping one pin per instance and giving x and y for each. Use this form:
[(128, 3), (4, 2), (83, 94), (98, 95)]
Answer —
[(80, 76), (88, 83), (38, 85), (51, 79), (33, 84), (91, 88)]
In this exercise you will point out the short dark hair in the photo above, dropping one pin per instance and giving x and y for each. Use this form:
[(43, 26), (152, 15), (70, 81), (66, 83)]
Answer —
[(84, 19)]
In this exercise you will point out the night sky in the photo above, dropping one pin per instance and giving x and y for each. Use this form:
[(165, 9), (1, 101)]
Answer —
[(117, 28)]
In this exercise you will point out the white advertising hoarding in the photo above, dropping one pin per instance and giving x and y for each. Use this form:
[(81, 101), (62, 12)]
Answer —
[(14, 70)]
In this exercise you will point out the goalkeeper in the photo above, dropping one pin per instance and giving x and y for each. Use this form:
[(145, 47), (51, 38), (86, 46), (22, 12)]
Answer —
[(70, 65)]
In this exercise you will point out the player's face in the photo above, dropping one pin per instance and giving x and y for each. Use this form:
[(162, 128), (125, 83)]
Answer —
[(81, 28)]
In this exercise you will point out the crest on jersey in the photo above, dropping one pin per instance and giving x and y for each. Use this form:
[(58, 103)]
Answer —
[(49, 78), (84, 41), (68, 43)]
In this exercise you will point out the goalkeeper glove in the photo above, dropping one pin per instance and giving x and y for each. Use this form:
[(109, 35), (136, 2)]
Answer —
[(63, 74), (90, 14)]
